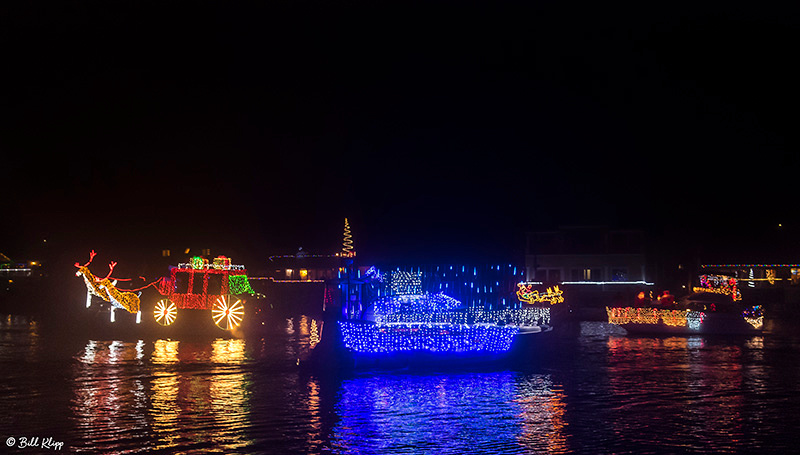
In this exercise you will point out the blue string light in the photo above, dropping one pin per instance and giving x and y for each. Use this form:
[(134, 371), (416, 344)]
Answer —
[(407, 319), (415, 303), (373, 338)]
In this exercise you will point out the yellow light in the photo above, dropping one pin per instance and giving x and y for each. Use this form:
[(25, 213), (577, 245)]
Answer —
[(347, 242), (315, 334), (165, 312), (553, 295), (227, 313), (674, 318), (724, 291), (228, 351), (757, 323), (166, 351)]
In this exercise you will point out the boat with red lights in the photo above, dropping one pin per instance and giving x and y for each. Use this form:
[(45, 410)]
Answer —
[(217, 287)]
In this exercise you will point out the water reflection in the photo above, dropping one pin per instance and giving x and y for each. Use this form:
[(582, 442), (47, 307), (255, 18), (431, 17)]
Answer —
[(110, 398), (543, 407), (500, 412), (593, 393), (122, 403), (306, 332), (165, 352), (681, 392)]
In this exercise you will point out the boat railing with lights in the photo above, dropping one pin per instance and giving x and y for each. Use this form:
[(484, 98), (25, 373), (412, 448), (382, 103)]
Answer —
[(209, 266)]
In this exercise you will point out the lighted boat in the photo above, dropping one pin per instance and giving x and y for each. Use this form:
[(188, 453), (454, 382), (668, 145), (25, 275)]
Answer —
[(410, 322), (217, 287), (714, 308), (431, 323)]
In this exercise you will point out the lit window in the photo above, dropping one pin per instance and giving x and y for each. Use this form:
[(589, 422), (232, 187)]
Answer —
[(303, 274), (165, 253)]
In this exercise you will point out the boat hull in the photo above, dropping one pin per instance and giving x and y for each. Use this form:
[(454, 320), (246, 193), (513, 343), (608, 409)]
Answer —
[(713, 324), (371, 338)]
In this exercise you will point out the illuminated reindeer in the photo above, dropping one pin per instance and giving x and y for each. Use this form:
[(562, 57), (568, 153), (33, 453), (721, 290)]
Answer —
[(105, 288)]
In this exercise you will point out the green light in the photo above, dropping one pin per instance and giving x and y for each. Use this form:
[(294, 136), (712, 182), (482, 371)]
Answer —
[(239, 284)]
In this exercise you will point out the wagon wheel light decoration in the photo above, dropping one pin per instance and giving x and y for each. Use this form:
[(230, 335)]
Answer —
[(165, 312), (228, 312)]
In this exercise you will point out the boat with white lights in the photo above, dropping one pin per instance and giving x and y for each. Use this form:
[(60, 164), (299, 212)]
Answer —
[(715, 307)]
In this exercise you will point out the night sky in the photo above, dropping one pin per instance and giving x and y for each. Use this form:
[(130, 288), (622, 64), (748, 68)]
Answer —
[(440, 129)]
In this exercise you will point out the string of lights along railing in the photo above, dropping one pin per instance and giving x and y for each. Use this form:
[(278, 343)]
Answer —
[(415, 303), (726, 266), (675, 318), (407, 337), (206, 266), (517, 317), (719, 284)]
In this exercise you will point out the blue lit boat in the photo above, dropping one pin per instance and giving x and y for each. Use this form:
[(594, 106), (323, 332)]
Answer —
[(404, 326), (435, 327), (432, 323)]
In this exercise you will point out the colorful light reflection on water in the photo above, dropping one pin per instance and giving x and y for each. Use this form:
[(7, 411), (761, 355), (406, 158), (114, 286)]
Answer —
[(114, 399), (444, 413), (593, 393)]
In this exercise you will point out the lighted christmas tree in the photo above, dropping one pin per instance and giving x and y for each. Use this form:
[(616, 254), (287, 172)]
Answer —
[(347, 244)]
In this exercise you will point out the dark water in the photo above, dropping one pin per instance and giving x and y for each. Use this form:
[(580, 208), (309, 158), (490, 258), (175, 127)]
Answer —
[(593, 393)]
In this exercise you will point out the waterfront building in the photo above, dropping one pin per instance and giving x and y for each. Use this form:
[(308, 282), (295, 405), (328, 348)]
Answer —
[(304, 266), (593, 265), (14, 269), (20, 281), (295, 283)]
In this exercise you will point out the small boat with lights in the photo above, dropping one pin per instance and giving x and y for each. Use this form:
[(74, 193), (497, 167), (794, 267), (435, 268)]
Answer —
[(715, 307)]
